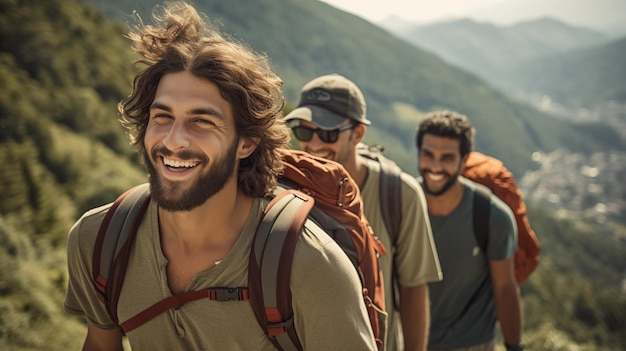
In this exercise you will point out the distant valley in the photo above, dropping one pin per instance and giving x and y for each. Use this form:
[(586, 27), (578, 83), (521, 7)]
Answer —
[(568, 72)]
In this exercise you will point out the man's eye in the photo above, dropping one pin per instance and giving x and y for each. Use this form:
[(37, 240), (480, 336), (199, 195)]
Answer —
[(205, 121), (161, 116)]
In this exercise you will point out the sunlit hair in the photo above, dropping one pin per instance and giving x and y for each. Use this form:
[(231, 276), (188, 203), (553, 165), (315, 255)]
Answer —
[(448, 124), (181, 39)]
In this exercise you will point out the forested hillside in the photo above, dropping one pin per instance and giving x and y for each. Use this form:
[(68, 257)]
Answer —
[(63, 68), (587, 77), (400, 82)]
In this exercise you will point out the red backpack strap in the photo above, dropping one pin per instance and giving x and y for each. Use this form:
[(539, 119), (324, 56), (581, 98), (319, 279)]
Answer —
[(114, 242), (216, 294), (269, 268), (112, 251)]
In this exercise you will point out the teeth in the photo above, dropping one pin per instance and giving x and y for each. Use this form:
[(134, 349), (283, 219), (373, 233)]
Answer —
[(179, 164), (435, 177)]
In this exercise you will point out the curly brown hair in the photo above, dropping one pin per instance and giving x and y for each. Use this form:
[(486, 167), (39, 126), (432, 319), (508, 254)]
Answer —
[(181, 39), (449, 124)]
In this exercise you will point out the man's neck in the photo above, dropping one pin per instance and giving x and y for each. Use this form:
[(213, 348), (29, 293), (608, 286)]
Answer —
[(357, 167), (445, 203), (196, 240), (217, 222)]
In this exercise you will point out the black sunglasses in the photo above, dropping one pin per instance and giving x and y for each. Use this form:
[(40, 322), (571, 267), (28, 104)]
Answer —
[(325, 135)]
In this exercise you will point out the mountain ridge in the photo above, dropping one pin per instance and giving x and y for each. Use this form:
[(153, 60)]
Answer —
[(490, 50)]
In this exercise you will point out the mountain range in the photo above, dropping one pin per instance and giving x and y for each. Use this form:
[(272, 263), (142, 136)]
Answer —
[(400, 82), (505, 55), (605, 16), (586, 77)]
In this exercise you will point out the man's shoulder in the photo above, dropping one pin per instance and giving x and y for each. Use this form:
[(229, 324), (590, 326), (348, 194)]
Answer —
[(89, 223), (316, 250), (408, 181), (500, 212), (315, 236)]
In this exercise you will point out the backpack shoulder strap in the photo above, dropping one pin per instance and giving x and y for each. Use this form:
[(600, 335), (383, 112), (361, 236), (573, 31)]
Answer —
[(113, 243), (269, 269), (390, 193), (390, 188), (481, 213), (391, 197)]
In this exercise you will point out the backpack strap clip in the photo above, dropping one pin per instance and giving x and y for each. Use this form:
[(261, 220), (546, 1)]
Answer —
[(228, 294), (277, 328)]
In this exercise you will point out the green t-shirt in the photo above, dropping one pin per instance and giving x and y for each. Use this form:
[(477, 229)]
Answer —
[(462, 304)]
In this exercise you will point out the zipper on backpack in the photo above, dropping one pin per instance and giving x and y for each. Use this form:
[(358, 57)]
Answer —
[(342, 192)]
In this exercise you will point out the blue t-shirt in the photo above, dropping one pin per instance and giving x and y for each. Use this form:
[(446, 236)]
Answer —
[(462, 304)]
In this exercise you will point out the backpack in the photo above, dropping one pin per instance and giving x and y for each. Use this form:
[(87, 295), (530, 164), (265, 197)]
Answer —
[(492, 173), (390, 191), (310, 188)]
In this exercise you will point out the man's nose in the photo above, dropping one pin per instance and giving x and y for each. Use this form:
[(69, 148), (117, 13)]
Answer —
[(176, 137), (435, 165)]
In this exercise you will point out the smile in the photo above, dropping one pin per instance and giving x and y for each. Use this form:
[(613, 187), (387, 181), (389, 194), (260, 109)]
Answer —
[(179, 164), (435, 177)]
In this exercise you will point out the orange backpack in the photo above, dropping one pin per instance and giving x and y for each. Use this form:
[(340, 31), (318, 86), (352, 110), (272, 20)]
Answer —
[(492, 173), (310, 187)]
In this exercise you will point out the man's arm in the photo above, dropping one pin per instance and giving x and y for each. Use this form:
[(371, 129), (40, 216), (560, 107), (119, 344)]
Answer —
[(415, 316), (327, 296), (507, 300), (99, 339)]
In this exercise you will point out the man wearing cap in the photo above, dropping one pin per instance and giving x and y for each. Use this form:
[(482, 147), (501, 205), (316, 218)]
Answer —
[(330, 122)]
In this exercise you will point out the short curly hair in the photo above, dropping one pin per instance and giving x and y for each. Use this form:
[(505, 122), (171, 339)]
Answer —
[(183, 40), (449, 124)]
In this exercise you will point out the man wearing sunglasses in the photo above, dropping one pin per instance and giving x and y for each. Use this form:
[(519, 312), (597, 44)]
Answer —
[(330, 122)]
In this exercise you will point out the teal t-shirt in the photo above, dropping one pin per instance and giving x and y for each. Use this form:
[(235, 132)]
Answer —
[(462, 304)]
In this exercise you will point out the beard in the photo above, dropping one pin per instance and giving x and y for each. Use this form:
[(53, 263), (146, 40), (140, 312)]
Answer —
[(173, 196), (446, 186)]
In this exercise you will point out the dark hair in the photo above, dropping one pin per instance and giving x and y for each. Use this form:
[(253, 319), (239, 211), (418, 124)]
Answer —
[(183, 40), (447, 124)]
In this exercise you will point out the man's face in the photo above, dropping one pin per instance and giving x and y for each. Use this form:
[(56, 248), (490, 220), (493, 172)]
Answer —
[(191, 144), (440, 163), (337, 151)]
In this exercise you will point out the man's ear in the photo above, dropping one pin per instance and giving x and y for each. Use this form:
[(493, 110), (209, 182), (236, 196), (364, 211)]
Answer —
[(246, 147), (358, 133)]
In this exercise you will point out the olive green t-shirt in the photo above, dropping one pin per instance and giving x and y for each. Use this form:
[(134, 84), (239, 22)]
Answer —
[(329, 313), (415, 255)]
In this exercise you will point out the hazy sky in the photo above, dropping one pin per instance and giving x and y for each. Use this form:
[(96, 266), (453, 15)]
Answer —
[(598, 14), (418, 10)]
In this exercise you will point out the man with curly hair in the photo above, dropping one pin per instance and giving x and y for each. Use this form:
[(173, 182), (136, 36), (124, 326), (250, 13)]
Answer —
[(479, 287), (206, 116)]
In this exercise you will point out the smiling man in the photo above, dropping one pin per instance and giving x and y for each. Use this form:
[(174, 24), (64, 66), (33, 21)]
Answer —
[(479, 288), (330, 122), (206, 116)]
